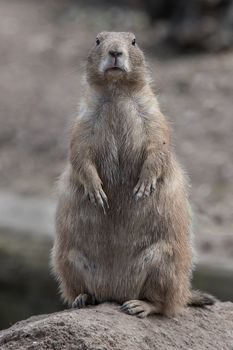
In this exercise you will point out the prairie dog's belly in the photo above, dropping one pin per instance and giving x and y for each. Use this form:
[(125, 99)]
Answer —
[(117, 267), (120, 279)]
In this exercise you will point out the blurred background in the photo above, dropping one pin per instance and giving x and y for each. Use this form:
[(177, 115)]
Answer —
[(43, 44)]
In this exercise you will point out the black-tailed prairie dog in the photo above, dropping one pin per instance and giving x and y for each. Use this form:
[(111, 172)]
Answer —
[(122, 222)]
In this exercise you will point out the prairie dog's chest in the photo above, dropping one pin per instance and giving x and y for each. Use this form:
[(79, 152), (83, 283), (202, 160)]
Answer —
[(119, 138), (119, 123)]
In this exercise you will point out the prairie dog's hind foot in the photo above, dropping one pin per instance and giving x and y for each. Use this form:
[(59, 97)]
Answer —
[(140, 308), (83, 300)]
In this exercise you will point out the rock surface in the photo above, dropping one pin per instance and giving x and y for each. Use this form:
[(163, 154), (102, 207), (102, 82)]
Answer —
[(104, 327)]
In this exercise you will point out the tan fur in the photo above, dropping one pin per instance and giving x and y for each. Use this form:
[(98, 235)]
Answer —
[(116, 239)]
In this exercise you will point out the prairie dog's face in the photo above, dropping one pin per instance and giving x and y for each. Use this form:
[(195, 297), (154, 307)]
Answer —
[(115, 57)]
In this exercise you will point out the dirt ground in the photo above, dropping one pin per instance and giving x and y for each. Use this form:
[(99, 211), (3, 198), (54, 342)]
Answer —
[(43, 45)]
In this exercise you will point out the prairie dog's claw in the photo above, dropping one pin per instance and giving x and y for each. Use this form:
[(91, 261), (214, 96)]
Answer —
[(83, 300), (137, 308), (98, 197)]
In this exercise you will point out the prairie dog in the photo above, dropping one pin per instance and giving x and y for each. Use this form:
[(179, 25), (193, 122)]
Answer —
[(122, 222)]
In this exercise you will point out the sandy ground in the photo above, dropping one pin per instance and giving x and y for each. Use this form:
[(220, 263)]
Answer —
[(43, 46)]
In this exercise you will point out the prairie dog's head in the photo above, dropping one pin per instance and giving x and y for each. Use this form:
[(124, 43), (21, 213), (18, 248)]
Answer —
[(116, 58)]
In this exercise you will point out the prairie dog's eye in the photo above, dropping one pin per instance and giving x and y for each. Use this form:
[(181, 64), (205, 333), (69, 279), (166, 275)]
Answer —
[(97, 41), (134, 42)]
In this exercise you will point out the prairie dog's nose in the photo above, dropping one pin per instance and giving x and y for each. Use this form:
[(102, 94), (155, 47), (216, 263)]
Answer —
[(115, 53)]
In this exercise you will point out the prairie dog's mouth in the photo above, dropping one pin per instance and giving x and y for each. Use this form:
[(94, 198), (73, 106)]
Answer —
[(114, 68), (114, 65)]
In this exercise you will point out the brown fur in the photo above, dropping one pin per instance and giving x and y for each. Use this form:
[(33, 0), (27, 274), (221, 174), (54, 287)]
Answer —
[(122, 222)]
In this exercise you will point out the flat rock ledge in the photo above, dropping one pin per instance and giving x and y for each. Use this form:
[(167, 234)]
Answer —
[(104, 327)]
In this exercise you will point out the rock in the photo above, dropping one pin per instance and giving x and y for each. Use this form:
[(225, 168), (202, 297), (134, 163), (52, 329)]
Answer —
[(104, 327)]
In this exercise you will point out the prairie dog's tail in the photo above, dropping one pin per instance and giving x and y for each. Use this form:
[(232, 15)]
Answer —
[(200, 299)]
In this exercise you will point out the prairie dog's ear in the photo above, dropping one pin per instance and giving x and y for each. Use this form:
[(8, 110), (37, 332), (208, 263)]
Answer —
[(102, 35)]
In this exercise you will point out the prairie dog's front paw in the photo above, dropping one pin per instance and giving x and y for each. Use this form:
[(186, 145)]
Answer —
[(97, 197), (144, 188)]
